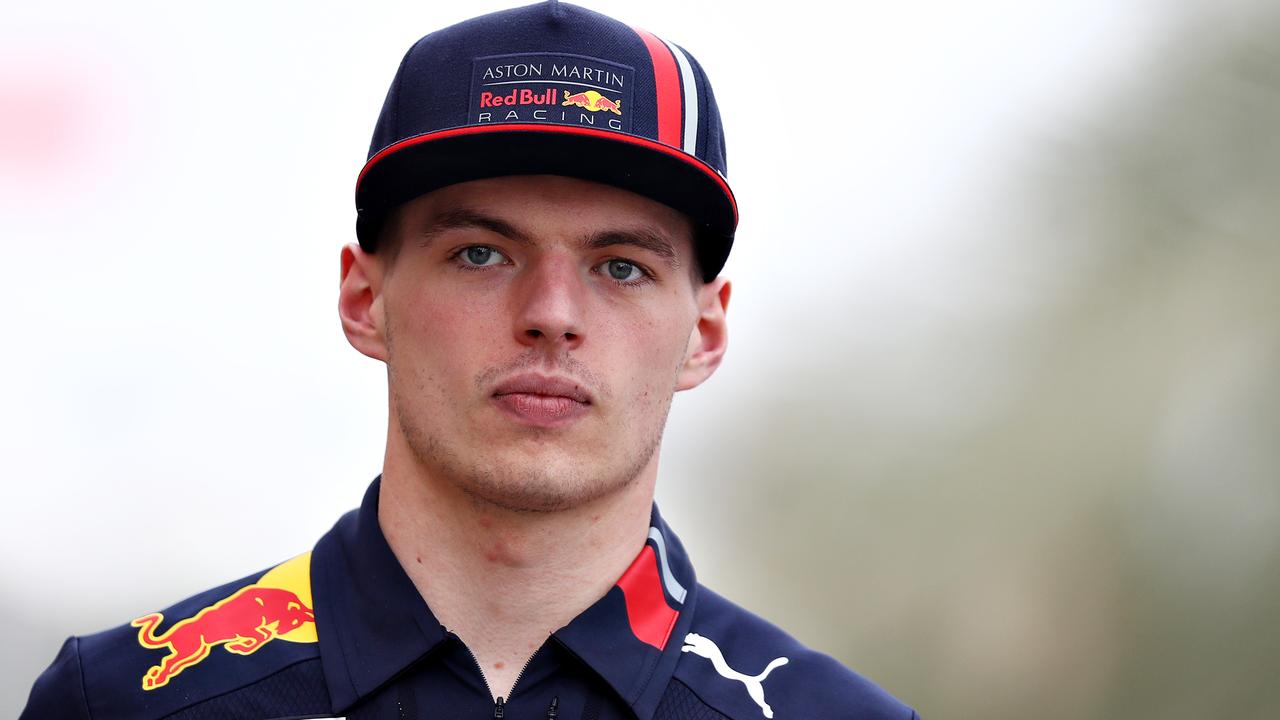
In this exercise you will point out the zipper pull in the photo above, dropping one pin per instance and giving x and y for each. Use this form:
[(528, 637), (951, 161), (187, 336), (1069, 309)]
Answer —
[(498, 708), (552, 714)]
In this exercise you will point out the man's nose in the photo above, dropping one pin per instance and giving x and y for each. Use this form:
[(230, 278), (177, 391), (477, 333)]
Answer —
[(550, 304)]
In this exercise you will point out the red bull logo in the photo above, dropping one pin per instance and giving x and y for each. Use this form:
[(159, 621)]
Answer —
[(593, 101), (278, 606)]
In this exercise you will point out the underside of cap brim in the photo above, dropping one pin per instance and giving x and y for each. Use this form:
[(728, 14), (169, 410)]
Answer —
[(418, 165)]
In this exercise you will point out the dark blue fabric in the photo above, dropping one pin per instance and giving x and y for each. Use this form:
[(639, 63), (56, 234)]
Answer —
[(371, 620), (382, 654), (58, 693), (298, 690), (681, 703)]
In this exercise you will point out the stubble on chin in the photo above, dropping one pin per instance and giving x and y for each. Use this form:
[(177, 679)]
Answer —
[(503, 478), (510, 478)]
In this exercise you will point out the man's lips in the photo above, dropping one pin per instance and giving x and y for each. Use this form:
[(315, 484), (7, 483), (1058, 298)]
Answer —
[(542, 400), (545, 385)]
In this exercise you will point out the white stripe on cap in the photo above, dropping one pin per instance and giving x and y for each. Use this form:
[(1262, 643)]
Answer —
[(690, 143)]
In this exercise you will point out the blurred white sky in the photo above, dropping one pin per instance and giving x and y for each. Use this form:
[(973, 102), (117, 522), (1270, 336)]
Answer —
[(180, 407)]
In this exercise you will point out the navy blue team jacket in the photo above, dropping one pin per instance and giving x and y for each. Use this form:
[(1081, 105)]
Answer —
[(342, 632)]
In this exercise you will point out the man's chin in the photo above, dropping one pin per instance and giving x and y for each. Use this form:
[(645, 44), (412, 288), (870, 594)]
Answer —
[(542, 474), (547, 489), (519, 470)]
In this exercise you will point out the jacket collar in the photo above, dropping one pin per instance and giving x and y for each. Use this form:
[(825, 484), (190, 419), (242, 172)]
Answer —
[(632, 636), (370, 618), (373, 623)]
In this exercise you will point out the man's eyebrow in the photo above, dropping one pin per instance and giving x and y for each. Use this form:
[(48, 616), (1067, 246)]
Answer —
[(646, 238), (464, 218)]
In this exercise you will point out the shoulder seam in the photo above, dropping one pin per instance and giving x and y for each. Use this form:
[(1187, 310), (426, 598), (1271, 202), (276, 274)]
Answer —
[(84, 690), (342, 655)]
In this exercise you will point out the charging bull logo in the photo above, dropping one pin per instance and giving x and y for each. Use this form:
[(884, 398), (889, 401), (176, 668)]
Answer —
[(278, 606), (593, 101)]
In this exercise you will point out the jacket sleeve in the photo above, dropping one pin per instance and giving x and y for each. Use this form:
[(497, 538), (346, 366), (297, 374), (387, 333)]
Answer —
[(59, 691)]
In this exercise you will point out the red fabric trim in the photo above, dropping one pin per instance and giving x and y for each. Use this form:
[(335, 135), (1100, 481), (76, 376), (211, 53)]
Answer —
[(667, 77), (651, 618), (673, 151)]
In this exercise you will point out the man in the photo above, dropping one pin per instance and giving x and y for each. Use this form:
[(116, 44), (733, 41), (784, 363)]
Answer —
[(542, 221)]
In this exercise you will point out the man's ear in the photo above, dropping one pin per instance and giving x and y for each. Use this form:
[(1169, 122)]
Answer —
[(360, 302), (710, 335)]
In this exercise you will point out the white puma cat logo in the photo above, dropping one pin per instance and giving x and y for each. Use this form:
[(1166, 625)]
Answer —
[(699, 645)]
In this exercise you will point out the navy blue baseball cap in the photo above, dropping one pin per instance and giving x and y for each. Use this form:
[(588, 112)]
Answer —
[(552, 89)]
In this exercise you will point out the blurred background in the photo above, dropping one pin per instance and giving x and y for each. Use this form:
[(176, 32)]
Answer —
[(1000, 422)]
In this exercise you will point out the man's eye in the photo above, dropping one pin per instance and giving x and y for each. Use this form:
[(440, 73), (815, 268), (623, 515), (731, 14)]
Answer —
[(623, 271), (481, 255)]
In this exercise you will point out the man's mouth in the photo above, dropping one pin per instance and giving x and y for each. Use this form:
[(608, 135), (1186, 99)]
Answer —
[(542, 400)]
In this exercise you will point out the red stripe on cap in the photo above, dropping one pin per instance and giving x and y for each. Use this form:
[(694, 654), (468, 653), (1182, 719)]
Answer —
[(651, 618), (549, 128), (667, 77)]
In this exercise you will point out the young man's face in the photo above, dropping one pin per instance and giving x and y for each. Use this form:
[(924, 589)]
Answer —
[(534, 330)]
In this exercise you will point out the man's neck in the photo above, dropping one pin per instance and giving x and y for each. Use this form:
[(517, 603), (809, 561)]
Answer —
[(503, 581)]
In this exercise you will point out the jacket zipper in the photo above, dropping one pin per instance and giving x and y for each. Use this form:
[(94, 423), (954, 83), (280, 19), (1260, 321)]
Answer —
[(499, 705)]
